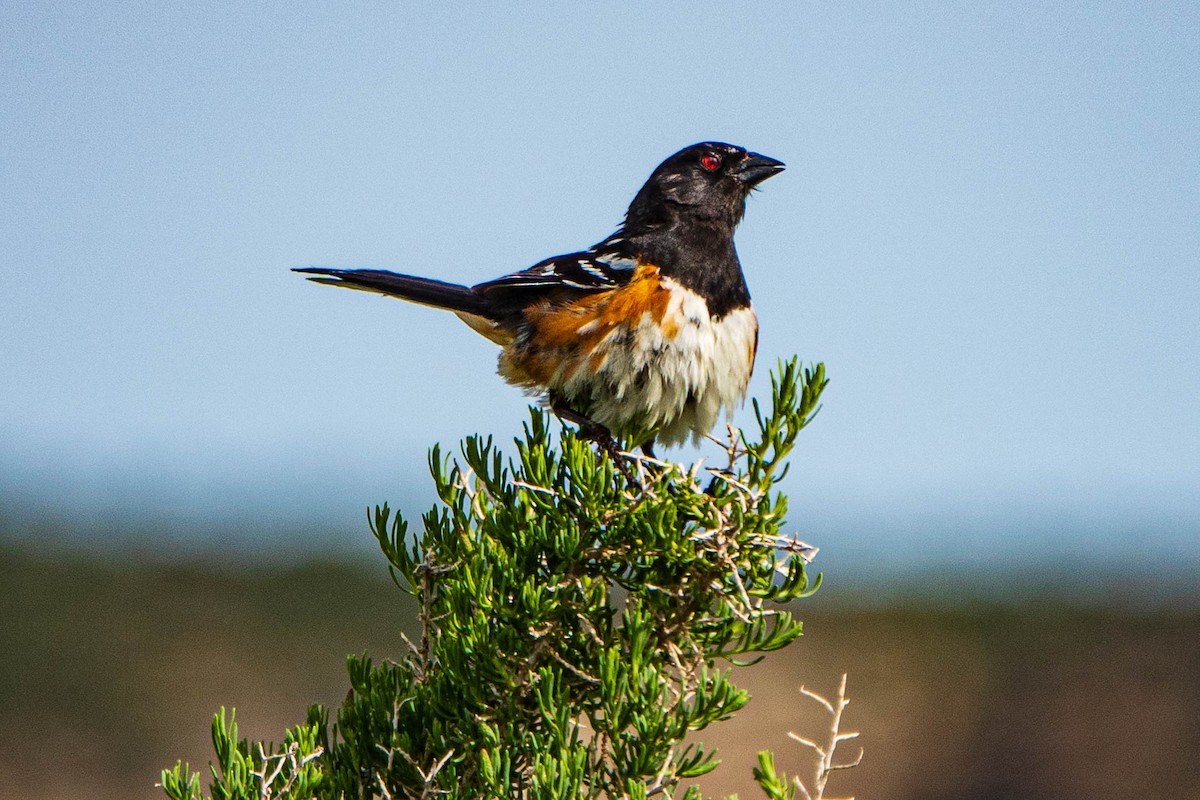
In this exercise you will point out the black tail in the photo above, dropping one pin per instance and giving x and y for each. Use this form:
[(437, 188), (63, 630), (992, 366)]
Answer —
[(426, 291)]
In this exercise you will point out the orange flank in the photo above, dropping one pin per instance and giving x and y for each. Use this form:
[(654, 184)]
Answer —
[(573, 334)]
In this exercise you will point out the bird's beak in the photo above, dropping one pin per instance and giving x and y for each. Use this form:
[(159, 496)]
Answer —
[(756, 168)]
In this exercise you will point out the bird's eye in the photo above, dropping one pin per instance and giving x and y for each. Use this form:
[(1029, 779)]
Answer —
[(710, 161)]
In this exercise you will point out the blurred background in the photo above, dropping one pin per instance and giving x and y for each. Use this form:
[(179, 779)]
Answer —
[(989, 230)]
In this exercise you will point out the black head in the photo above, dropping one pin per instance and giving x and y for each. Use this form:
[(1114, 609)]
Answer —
[(707, 181)]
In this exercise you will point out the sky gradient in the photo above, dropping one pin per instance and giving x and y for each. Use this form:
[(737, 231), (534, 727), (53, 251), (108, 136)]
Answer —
[(989, 230)]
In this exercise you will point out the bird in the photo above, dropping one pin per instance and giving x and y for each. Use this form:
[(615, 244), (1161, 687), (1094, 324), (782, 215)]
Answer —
[(647, 336)]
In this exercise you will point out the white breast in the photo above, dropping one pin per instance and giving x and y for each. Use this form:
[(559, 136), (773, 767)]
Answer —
[(675, 385)]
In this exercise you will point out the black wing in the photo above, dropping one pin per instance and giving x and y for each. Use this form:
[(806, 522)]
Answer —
[(605, 266)]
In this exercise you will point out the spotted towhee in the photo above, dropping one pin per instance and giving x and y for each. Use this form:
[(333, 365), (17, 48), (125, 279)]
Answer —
[(648, 334)]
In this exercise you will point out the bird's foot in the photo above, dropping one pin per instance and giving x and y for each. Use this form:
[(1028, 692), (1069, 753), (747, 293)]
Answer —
[(600, 435), (604, 440)]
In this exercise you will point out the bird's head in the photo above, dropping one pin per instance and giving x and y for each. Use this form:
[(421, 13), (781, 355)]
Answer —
[(707, 181)]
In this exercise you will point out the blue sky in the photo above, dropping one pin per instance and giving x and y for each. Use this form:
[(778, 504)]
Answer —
[(989, 230)]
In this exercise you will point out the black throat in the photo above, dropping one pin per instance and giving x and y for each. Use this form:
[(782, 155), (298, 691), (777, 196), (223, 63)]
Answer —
[(700, 257)]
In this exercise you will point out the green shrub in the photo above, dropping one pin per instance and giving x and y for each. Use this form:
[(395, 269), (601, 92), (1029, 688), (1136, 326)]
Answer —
[(574, 627)]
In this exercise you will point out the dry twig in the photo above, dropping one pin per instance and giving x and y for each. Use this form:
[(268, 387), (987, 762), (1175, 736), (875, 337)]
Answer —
[(825, 753)]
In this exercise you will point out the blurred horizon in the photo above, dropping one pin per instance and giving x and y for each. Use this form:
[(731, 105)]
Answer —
[(904, 577)]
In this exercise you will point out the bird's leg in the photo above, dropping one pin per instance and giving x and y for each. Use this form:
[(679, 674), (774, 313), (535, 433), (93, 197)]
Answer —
[(648, 448), (595, 432)]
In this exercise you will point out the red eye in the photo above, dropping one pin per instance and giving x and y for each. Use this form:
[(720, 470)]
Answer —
[(710, 162)]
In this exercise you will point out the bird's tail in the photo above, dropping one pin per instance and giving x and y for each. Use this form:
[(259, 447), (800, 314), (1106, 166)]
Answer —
[(426, 291)]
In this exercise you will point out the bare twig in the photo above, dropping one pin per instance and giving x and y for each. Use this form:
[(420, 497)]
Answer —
[(534, 488), (274, 765), (825, 753)]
